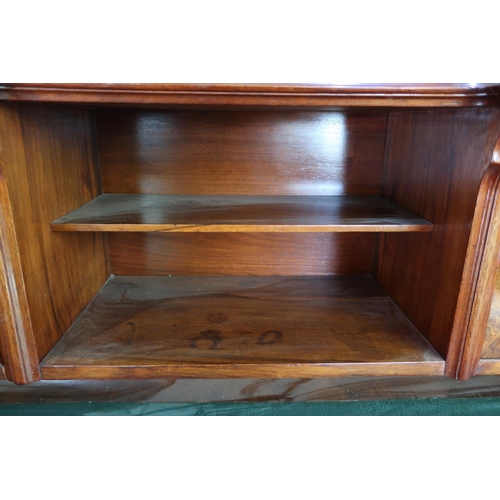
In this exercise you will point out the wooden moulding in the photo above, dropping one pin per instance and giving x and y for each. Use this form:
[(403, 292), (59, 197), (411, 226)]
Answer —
[(16, 335), (480, 270), (272, 95), (191, 213), (222, 327)]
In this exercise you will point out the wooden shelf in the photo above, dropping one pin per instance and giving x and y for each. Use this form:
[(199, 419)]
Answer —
[(218, 327), (191, 213)]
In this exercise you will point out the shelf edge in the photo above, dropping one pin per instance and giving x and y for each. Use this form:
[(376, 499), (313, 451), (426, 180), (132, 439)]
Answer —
[(232, 370)]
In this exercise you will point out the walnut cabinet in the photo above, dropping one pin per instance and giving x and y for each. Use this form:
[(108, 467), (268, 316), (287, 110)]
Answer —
[(220, 231)]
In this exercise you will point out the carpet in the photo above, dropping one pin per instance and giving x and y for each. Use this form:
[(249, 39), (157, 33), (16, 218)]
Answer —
[(394, 407)]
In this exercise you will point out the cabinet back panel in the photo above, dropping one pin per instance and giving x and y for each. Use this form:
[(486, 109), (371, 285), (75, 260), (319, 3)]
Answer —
[(259, 254), (240, 152)]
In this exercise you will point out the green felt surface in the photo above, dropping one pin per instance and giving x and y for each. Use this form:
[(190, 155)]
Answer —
[(396, 407)]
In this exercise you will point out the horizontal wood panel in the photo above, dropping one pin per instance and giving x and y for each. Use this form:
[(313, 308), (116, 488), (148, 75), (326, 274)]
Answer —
[(240, 153), (276, 370), (223, 327), (296, 95), (185, 213), (241, 253), (488, 367), (178, 390)]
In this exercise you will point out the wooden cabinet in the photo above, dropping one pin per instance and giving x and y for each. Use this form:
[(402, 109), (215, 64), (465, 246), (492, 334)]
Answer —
[(221, 231)]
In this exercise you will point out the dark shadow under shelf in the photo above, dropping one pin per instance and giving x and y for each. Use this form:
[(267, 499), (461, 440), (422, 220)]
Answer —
[(192, 213), (217, 327)]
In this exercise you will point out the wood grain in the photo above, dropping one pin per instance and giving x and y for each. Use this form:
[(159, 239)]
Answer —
[(481, 267), (240, 152), (16, 333), (147, 327), (272, 95), (434, 166), (191, 213), (51, 171), (487, 366), (491, 345), (247, 254), (175, 390)]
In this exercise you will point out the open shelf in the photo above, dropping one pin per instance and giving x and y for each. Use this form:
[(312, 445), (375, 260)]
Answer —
[(192, 213), (213, 327), (247, 231)]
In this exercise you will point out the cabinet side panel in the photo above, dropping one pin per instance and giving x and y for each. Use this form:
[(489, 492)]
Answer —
[(282, 254), (240, 152), (433, 167), (62, 272), (17, 341)]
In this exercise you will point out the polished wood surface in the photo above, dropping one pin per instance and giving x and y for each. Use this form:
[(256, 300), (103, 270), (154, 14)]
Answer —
[(176, 390), (491, 345), (481, 266), (2, 372), (488, 367), (146, 327), (48, 158), (260, 254), (240, 152), (194, 213), (17, 342), (293, 95), (213, 196), (434, 166)]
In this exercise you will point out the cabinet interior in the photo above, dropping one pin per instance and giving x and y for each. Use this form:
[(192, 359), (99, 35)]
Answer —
[(244, 242)]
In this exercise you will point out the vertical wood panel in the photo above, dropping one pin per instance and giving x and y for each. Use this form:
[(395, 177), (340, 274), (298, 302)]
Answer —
[(489, 344), (478, 279), (16, 332), (240, 152), (434, 166), (56, 173)]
